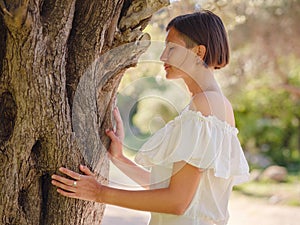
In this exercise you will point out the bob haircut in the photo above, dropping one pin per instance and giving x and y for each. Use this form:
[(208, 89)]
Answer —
[(204, 28)]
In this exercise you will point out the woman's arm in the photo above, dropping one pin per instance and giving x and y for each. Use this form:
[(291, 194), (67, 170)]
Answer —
[(132, 170), (174, 199), (128, 167)]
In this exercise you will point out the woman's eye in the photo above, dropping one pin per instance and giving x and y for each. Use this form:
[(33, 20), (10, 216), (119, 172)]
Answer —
[(172, 47)]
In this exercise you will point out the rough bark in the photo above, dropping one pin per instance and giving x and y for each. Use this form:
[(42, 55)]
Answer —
[(46, 48)]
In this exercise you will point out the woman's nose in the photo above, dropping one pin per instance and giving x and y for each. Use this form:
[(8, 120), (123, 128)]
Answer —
[(164, 55)]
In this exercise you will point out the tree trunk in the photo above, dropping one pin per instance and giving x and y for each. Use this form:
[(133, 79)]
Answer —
[(59, 73)]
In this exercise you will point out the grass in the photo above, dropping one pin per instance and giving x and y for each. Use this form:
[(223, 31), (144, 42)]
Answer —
[(286, 193)]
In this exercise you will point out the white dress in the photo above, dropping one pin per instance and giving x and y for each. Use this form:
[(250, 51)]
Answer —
[(207, 143)]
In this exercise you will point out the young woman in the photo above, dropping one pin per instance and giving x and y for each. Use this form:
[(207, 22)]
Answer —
[(195, 159)]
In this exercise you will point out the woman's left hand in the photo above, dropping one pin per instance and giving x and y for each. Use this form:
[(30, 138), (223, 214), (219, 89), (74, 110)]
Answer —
[(84, 187)]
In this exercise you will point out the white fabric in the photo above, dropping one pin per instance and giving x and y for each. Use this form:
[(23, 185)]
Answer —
[(207, 143)]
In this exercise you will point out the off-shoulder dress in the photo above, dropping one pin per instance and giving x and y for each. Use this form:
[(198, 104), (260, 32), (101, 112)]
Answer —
[(205, 142)]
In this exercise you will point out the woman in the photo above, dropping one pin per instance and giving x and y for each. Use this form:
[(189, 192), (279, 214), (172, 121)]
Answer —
[(195, 159)]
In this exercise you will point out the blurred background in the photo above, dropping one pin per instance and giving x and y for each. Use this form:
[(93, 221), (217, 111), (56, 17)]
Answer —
[(262, 81)]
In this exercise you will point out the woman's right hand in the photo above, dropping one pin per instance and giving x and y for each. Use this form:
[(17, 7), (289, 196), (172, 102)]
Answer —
[(117, 136), (125, 164)]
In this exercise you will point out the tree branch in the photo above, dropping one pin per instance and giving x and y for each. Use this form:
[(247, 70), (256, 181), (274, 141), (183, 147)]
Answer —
[(3, 36), (57, 16), (140, 10), (4, 9), (17, 17), (93, 22)]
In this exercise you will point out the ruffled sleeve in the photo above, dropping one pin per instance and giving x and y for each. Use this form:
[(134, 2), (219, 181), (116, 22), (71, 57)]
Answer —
[(202, 141)]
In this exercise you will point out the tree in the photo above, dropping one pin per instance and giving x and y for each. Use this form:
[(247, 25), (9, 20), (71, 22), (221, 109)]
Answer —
[(46, 47)]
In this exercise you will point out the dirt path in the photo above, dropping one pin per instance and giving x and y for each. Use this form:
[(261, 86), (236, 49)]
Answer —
[(249, 211)]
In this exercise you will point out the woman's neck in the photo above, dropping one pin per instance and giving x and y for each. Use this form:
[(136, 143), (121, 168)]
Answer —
[(202, 83)]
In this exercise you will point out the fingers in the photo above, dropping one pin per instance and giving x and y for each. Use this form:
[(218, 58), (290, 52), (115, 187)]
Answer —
[(62, 180), (86, 170), (119, 123), (70, 173), (117, 115), (65, 183), (63, 186), (81, 187), (67, 194), (111, 135), (118, 134)]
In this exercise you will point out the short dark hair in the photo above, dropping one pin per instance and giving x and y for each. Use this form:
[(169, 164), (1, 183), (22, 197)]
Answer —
[(204, 28)]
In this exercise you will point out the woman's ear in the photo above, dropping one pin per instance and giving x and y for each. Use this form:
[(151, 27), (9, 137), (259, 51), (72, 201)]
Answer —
[(200, 50)]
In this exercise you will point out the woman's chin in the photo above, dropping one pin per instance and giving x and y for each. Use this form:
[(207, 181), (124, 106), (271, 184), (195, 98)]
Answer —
[(171, 76), (168, 76)]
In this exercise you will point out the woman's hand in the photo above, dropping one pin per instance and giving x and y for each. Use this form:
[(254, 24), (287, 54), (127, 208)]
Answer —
[(117, 137), (84, 187)]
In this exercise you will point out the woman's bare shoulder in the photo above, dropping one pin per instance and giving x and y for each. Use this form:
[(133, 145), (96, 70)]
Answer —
[(214, 104)]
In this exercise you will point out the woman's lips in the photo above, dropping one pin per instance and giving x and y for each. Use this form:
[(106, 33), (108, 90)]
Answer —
[(167, 66)]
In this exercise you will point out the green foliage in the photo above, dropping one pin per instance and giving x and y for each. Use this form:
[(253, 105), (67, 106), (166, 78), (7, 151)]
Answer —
[(267, 118), (265, 62)]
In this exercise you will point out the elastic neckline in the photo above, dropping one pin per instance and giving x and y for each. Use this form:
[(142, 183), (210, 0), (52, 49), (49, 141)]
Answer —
[(213, 118)]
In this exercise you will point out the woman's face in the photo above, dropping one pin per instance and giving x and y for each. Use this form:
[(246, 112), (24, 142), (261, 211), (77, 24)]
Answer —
[(174, 44)]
